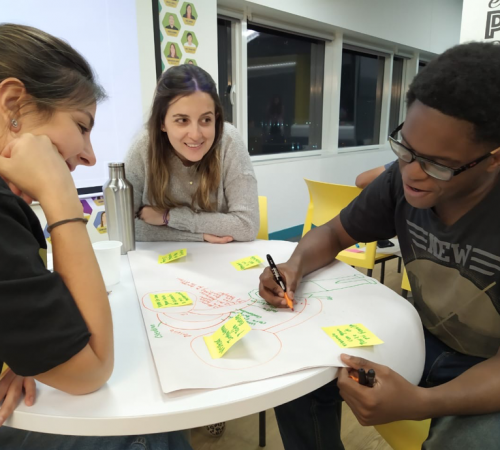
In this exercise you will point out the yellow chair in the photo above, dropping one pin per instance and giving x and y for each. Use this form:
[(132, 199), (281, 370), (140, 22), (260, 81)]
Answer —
[(263, 228), (405, 434), (405, 285), (326, 202)]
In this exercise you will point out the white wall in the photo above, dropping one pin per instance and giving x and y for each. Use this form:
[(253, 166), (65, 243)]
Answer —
[(105, 33), (283, 184), (428, 25), (480, 21)]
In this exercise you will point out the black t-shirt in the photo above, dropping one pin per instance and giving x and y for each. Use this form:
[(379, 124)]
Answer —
[(454, 271), (40, 324)]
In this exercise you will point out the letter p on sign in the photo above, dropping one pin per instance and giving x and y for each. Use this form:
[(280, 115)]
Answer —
[(492, 24)]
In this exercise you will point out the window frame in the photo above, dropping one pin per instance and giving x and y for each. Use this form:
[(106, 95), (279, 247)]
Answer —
[(278, 26), (334, 44), (240, 112), (232, 76), (401, 93), (386, 89)]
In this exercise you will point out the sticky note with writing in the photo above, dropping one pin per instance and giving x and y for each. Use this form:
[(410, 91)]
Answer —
[(226, 336), (353, 335), (170, 299), (172, 256), (245, 263)]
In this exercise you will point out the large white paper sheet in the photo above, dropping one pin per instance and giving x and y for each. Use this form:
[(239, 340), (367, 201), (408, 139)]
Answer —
[(281, 341)]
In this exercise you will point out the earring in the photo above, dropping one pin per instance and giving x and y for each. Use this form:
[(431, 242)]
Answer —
[(14, 123)]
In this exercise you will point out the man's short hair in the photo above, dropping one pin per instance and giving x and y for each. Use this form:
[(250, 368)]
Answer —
[(464, 82)]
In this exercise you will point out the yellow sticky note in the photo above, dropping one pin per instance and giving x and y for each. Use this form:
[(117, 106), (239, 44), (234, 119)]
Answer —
[(353, 335), (172, 256), (170, 299), (245, 263), (226, 336)]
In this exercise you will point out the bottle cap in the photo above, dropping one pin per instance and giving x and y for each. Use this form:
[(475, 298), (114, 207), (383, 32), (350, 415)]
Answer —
[(117, 164)]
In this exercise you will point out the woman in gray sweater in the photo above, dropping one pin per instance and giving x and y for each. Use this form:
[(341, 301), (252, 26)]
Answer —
[(192, 175)]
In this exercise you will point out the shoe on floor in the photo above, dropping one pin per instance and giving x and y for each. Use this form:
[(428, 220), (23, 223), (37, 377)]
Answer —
[(215, 430)]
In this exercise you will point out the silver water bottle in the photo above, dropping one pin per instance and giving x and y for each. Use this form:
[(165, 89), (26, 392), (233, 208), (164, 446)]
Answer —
[(119, 205)]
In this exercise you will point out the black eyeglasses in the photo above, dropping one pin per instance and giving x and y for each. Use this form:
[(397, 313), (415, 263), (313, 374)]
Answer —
[(431, 168)]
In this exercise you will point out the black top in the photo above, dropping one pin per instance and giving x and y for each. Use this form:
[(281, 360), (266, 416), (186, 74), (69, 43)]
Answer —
[(454, 271), (40, 324)]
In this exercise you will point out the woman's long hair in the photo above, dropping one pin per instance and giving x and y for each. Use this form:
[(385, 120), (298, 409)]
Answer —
[(181, 81)]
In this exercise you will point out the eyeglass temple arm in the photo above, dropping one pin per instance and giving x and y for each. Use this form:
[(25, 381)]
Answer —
[(398, 129)]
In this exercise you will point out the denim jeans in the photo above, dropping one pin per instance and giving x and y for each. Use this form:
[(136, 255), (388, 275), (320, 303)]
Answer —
[(312, 422), (13, 439)]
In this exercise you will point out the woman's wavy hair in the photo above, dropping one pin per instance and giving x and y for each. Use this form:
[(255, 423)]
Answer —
[(181, 81)]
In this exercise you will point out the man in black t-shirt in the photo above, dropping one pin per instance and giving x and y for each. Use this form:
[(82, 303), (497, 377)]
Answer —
[(442, 201)]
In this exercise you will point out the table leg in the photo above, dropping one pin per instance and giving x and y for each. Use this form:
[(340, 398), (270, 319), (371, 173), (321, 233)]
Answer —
[(382, 272), (262, 429)]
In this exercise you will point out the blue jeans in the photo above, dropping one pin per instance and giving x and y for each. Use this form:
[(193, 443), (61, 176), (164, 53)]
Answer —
[(13, 439), (312, 422)]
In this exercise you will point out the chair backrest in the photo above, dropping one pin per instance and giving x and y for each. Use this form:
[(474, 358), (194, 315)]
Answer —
[(326, 202), (263, 228)]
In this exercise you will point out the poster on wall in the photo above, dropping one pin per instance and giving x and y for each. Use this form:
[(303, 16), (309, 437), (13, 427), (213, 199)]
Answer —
[(480, 21), (187, 34), (178, 38)]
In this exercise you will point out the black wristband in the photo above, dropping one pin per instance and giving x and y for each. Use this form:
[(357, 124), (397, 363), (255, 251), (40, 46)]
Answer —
[(62, 222)]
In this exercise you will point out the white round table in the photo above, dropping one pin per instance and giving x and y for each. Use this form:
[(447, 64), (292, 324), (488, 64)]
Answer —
[(132, 401)]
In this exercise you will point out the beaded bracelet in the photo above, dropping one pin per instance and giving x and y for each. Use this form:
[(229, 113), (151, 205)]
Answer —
[(165, 217), (62, 222)]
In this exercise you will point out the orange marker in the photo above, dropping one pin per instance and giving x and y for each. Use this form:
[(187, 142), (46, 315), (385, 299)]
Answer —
[(279, 280), (289, 302)]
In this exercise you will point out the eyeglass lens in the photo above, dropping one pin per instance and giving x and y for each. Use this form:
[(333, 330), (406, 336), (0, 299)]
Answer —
[(434, 170)]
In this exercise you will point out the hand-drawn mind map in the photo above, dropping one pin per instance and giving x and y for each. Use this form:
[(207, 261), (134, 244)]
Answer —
[(210, 309)]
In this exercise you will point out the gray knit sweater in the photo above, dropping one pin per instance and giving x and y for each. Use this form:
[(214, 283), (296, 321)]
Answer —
[(236, 198)]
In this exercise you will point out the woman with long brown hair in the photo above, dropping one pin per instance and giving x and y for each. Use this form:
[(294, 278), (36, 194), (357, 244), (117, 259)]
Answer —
[(192, 175)]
